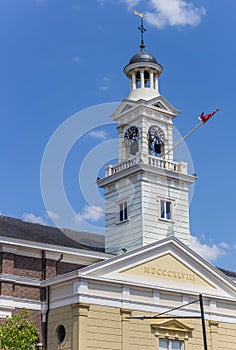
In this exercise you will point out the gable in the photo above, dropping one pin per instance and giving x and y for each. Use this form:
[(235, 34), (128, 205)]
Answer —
[(164, 265), (168, 268), (159, 103)]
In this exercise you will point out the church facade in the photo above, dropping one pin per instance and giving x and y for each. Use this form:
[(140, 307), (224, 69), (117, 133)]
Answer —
[(140, 289)]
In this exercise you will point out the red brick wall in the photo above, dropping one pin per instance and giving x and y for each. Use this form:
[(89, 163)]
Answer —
[(6, 288), (27, 266), (7, 263)]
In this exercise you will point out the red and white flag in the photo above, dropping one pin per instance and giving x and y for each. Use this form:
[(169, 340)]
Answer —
[(205, 118)]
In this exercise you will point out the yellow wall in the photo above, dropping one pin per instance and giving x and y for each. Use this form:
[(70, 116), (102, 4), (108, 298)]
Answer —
[(92, 327)]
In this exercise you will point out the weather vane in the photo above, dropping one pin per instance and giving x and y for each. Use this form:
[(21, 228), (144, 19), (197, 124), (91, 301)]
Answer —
[(141, 28)]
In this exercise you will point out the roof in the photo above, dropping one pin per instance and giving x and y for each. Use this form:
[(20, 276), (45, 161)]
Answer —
[(32, 232), (142, 56), (229, 273)]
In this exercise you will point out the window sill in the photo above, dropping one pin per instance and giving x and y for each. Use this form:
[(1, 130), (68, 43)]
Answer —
[(122, 222), (169, 221)]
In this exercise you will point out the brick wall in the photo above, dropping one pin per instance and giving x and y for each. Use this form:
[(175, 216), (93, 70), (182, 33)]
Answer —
[(27, 266), (7, 263)]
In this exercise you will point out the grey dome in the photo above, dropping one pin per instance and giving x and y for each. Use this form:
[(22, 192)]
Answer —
[(143, 56)]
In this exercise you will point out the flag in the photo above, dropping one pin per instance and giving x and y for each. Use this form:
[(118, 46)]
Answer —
[(205, 118)]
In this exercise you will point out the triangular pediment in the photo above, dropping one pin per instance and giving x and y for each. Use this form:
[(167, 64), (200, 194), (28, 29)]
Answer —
[(124, 106), (172, 329), (166, 264), (168, 268), (172, 325), (160, 104)]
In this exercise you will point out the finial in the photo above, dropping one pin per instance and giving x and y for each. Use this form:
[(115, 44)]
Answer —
[(141, 28)]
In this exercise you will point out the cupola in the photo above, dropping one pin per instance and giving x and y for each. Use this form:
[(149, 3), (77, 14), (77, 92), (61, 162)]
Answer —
[(143, 72)]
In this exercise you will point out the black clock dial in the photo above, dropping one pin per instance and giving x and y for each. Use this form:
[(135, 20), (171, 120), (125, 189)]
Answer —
[(131, 135), (156, 135)]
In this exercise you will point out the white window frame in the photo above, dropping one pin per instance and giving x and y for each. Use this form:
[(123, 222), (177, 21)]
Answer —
[(167, 205), (122, 211), (170, 342)]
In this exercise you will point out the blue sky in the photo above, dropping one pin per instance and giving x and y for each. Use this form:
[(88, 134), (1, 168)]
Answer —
[(59, 57)]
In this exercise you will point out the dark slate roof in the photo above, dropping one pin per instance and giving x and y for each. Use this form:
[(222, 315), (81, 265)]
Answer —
[(142, 56), (32, 232), (228, 273)]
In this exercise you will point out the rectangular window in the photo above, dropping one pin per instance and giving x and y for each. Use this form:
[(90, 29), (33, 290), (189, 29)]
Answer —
[(123, 212), (168, 344), (166, 210)]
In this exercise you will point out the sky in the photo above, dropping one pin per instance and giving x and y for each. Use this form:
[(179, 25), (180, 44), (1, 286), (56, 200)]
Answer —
[(61, 69)]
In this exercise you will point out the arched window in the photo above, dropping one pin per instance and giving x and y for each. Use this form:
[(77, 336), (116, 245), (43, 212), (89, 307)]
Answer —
[(156, 140), (131, 138)]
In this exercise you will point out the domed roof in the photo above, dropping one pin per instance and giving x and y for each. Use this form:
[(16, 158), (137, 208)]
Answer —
[(143, 56)]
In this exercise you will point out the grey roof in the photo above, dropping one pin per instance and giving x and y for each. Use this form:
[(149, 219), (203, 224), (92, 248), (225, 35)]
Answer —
[(142, 56), (228, 273), (32, 232)]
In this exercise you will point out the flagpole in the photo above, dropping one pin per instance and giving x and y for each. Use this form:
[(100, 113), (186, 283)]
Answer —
[(183, 138), (204, 119)]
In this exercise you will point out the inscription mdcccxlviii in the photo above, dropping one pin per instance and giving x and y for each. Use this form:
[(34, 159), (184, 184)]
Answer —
[(154, 271)]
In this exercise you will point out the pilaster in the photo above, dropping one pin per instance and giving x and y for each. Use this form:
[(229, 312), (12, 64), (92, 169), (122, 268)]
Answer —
[(125, 328), (80, 316), (214, 334)]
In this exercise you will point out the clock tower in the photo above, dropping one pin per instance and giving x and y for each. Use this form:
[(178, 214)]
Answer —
[(146, 192)]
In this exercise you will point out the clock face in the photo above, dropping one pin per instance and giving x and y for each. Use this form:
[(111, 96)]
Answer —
[(131, 135), (156, 134)]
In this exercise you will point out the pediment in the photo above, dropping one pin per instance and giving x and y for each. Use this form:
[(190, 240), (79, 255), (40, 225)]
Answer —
[(172, 329), (124, 106), (168, 265), (158, 103), (161, 103)]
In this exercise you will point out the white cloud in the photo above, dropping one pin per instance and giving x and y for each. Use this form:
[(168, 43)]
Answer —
[(106, 82), (131, 3), (53, 215), (103, 88), (209, 252), (164, 13), (91, 213), (98, 134), (33, 218), (106, 78), (224, 245)]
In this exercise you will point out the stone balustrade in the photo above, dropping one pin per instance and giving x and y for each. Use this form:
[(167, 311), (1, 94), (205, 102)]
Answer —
[(180, 167)]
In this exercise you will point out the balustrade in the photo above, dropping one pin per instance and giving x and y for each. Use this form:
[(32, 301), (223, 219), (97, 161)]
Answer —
[(154, 161)]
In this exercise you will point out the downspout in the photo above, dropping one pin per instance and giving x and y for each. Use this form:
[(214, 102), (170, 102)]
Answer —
[(46, 317), (44, 297)]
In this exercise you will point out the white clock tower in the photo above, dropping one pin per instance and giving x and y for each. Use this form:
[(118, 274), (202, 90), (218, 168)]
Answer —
[(146, 193)]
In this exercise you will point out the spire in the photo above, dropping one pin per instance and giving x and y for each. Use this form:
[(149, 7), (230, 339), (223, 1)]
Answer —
[(142, 29)]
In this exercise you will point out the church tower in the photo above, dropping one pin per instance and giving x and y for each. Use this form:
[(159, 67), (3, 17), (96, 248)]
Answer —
[(146, 192)]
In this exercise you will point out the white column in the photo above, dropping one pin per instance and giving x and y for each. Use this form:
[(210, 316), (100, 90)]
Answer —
[(151, 81), (133, 81), (142, 78), (156, 83)]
